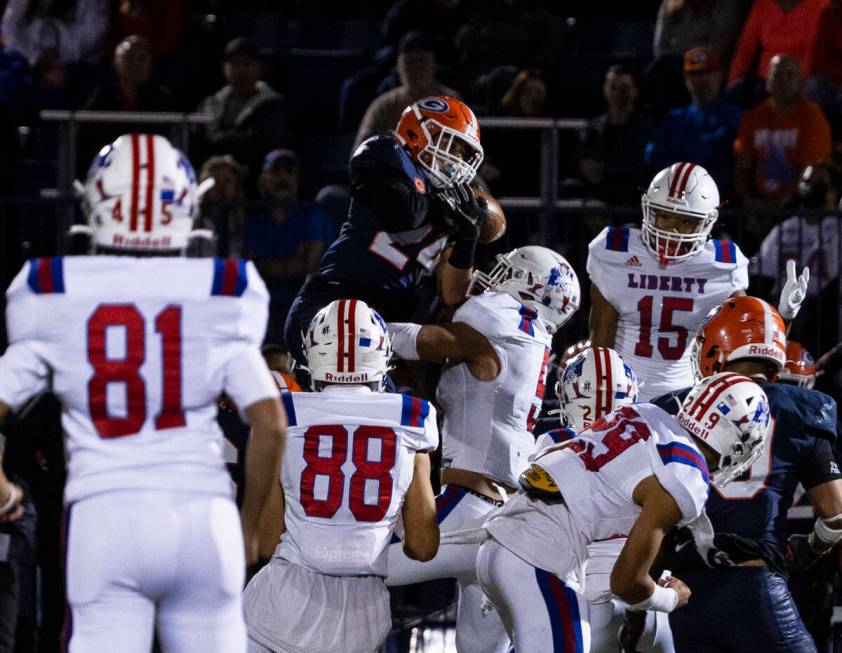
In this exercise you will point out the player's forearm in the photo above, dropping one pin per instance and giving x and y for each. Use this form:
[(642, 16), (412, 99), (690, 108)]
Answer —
[(453, 285), (263, 458)]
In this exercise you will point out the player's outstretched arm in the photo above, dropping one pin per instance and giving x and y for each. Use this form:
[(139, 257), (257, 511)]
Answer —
[(455, 343), (630, 579), (263, 460), (421, 527), (11, 495), (602, 321)]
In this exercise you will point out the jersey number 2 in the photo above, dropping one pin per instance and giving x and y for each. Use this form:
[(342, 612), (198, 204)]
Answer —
[(126, 369), (377, 471)]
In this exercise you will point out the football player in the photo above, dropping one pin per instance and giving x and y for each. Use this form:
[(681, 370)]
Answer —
[(412, 214), (496, 350), (594, 383), (652, 287), (636, 472), (138, 343), (356, 461), (746, 335)]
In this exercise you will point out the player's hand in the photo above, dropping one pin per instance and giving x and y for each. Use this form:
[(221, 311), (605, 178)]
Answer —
[(14, 499), (464, 210), (794, 291), (680, 588), (634, 622), (800, 553)]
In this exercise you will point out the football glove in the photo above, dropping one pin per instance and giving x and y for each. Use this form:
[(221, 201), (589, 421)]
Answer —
[(794, 291), (463, 212), (800, 553)]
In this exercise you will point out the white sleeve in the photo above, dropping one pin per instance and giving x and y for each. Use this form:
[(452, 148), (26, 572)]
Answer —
[(23, 374), (23, 370), (688, 486), (739, 277), (479, 313), (247, 378), (598, 268), (254, 308), (430, 438)]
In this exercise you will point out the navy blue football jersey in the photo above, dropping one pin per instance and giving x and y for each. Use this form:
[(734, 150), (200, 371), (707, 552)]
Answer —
[(755, 505), (366, 249)]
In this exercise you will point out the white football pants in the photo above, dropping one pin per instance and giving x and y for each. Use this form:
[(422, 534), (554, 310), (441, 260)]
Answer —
[(140, 558), (540, 612), (478, 630)]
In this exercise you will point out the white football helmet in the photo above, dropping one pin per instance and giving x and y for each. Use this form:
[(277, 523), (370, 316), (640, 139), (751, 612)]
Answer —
[(140, 195), (348, 342), (537, 277), (593, 384), (730, 414), (685, 190)]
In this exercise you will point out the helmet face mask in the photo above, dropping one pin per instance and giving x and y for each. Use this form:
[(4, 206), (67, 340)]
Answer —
[(140, 196), (738, 329), (347, 343), (680, 208), (539, 278), (592, 384), (729, 414), (442, 135)]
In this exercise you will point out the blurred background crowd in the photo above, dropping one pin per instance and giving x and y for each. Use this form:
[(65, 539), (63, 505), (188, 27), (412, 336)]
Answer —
[(579, 105)]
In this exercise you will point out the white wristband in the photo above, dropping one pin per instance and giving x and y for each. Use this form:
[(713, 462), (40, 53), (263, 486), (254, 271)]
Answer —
[(14, 497), (404, 335), (663, 599)]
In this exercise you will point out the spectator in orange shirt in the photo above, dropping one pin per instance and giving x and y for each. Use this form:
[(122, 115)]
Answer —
[(773, 27), (778, 138)]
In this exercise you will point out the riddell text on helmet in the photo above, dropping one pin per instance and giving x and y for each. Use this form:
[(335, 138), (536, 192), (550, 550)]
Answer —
[(764, 350), (694, 427), (347, 378), (142, 242)]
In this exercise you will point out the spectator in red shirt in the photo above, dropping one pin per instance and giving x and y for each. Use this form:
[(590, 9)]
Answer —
[(778, 138), (825, 86), (773, 27)]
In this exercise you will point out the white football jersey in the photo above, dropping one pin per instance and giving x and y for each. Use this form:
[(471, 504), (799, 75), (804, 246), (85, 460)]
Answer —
[(596, 474), (138, 350), (488, 424), (661, 307), (349, 461)]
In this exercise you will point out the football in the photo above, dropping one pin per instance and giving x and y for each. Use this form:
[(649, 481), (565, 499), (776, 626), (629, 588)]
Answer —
[(494, 225)]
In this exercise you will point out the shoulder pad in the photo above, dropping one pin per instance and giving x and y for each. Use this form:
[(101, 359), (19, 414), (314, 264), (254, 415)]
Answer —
[(617, 239), (539, 484), (815, 410), (383, 152), (724, 251)]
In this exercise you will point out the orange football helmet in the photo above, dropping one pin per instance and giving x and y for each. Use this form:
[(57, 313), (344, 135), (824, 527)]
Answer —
[(741, 327), (442, 134), (800, 368)]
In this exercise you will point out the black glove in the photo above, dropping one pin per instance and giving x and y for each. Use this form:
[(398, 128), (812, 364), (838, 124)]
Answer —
[(800, 553), (463, 212)]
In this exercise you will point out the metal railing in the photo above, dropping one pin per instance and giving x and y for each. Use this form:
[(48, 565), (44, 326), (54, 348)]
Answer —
[(68, 142)]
